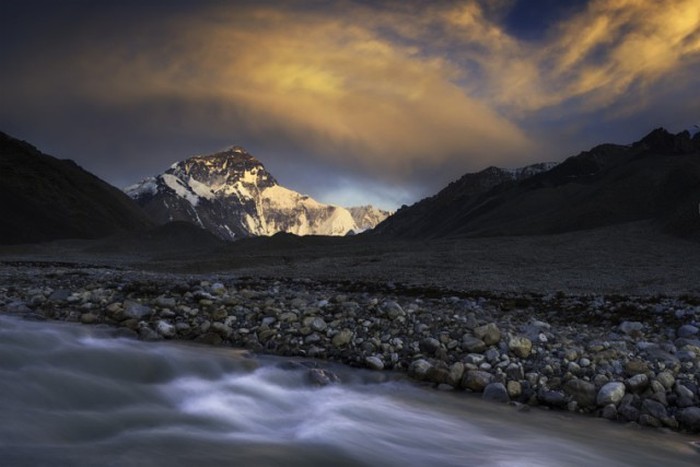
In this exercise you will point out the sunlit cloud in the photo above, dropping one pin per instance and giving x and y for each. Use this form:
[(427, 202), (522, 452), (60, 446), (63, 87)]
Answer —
[(393, 88)]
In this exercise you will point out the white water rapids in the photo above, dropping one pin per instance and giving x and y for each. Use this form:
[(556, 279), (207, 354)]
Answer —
[(75, 395)]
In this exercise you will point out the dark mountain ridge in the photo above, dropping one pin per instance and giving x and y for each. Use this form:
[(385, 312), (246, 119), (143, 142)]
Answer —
[(656, 178), (43, 198)]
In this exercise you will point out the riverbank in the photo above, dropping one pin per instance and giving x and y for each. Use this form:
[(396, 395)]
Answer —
[(631, 359)]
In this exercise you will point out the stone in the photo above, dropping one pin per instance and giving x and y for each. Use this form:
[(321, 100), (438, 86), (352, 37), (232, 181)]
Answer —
[(135, 310), (165, 329), (689, 419), (342, 338), (60, 295), (488, 333), (476, 380), (635, 367), (609, 412), (374, 363), (88, 318), (552, 398), (496, 392), (473, 344), (631, 328), (456, 374), (514, 389), (688, 331), (611, 393), (520, 346), (515, 371), (318, 324), (429, 345), (165, 302), (321, 377), (637, 383), (666, 379), (393, 310), (418, 369), (583, 392), (654, 408)]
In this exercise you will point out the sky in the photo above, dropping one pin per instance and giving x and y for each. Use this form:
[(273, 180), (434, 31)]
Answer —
[(350, 101)]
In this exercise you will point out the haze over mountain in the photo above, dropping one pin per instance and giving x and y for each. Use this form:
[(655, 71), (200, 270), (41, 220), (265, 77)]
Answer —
[(656, 178), (44, 198), (231, 194)]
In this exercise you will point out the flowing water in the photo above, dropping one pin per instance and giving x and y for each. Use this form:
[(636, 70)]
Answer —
[(76, 395)]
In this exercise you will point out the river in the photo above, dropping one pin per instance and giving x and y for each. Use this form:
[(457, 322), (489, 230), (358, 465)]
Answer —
[(77, 395)]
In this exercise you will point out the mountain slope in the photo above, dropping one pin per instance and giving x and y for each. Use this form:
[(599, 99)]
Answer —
[(43, 198), (231, 194), (655, 178)]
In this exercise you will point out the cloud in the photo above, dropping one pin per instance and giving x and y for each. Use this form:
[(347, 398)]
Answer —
[(332, 86), (391, 91)]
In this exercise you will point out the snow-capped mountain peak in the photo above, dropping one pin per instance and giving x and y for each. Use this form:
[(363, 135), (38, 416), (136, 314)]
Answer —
[(231, 194)]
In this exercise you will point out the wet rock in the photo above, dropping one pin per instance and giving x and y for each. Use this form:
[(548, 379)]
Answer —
[(374, 363), (88, 318), (609, 412), (689, 419), (495, 392), (654, 408), (419, 369), (165, 329), (611, 393), (583, 392), (514, 389), (476, 380), (552, 398), (456, 374), (321, 377)]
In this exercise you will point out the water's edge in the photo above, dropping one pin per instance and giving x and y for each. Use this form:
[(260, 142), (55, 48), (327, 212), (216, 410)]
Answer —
[(75, 394)]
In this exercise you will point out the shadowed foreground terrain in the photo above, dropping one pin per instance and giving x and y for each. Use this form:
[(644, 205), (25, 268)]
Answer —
[(633, 259)]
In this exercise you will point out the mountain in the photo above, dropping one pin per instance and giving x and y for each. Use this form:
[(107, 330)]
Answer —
[(367, 217), (232, 195), (43, 198), (656, 178)]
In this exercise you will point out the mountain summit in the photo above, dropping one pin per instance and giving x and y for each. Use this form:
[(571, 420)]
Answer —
[(231, 194)]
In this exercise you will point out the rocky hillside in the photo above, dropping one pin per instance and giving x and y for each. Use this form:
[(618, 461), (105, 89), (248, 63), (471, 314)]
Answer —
[(231, 194), (44, 198), (656, 178)]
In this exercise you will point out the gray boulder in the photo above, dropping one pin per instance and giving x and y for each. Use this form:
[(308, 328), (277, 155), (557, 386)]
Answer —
[(611, 393)]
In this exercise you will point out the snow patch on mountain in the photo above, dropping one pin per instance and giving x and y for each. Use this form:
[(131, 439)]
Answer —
[(182, 190)]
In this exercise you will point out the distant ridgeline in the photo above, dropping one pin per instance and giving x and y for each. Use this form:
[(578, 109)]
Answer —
[(232, 195), (43, 198), (656, 178)]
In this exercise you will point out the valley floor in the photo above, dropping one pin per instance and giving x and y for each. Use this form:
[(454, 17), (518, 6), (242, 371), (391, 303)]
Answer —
[(603, 322)]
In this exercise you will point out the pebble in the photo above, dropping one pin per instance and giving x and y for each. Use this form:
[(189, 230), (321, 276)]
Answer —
[(577, 354)]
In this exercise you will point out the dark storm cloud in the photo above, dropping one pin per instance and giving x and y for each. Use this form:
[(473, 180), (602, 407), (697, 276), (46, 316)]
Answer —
[(387, 100)]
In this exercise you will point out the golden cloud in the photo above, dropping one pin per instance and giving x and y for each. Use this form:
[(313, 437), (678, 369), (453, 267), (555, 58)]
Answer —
[(386, 88)]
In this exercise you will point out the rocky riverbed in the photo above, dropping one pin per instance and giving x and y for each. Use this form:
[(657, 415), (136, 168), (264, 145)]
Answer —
[(631, 359)]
